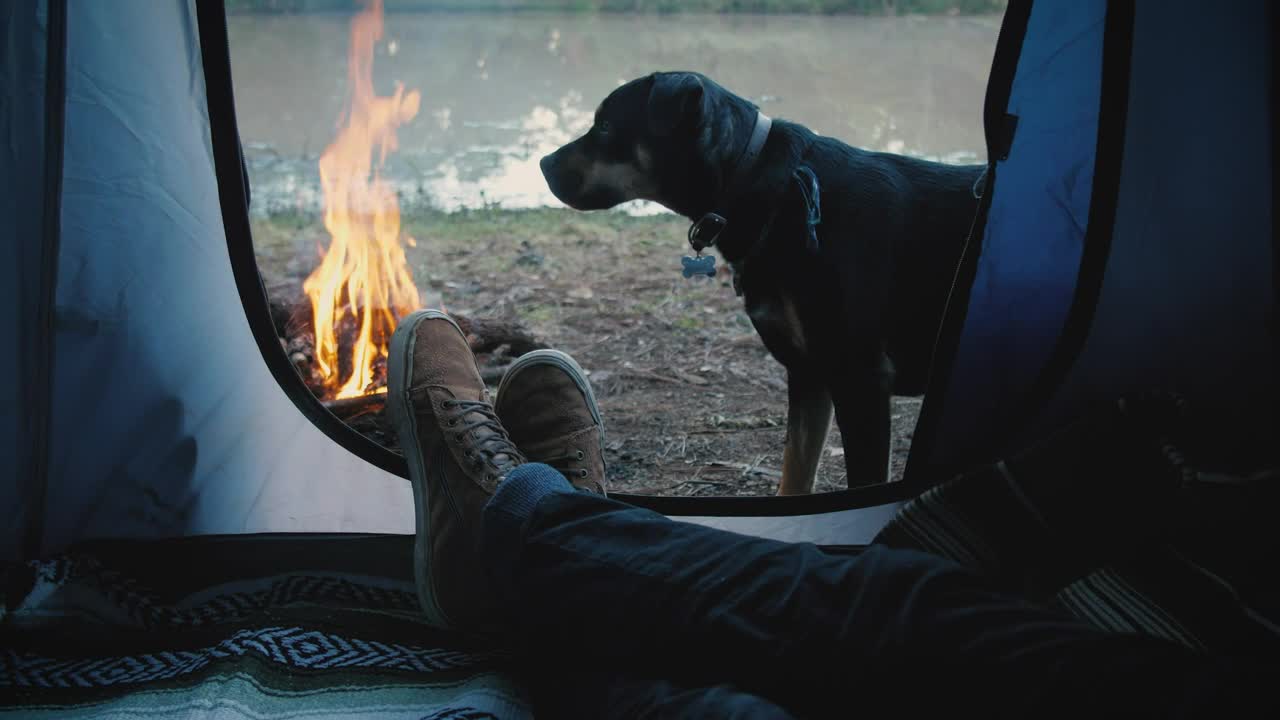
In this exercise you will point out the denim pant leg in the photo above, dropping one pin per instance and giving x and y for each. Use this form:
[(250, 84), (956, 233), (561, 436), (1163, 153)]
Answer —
[(592, 581)]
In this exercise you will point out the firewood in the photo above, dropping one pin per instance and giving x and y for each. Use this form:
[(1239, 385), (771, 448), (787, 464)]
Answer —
[(292, 315), (495, 344), (346, 408), (485, 335), (289, 307), (492, 374)]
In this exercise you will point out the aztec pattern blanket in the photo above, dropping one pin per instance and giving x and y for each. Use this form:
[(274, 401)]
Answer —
[(280, 626)]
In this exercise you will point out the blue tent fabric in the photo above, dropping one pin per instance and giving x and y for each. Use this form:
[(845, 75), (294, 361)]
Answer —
[(1031, 244), (1129, 243), (1187, 300)]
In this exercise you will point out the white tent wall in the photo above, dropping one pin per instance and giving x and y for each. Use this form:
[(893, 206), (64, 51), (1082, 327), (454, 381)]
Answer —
[(855, 526), (165, 420), (1188, 297), (23, 78)]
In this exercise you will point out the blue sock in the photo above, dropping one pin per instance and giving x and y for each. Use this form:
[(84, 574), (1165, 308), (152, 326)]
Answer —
[(511, 506)]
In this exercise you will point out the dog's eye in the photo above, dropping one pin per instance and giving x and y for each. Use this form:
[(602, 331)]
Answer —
[(603, 127)]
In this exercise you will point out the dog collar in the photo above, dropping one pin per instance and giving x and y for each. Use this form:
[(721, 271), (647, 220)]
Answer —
[(706, 229)]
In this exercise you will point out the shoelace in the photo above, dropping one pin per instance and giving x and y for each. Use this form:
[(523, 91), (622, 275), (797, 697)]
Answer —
[(488, 447)]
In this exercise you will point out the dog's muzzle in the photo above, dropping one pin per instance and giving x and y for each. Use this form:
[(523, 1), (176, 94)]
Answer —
[(565, 184)]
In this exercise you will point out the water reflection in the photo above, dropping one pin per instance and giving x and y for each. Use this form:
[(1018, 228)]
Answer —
[(499, 92)]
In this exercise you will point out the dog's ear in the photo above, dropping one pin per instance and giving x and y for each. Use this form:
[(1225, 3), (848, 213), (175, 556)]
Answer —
[(674, 100)]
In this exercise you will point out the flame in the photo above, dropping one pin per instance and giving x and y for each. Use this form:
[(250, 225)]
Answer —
[(363, 274)]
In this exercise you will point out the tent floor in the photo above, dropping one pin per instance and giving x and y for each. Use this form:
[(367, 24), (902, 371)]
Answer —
[(271, 625)]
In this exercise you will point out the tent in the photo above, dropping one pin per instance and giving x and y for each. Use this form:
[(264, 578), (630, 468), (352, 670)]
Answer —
[(1124, 246), (1126, 240)]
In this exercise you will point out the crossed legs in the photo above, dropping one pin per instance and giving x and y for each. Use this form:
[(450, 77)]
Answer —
[(626, 613)]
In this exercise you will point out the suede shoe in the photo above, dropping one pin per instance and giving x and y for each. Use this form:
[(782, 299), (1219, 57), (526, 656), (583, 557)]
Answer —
[(457, 452), (545, 402)]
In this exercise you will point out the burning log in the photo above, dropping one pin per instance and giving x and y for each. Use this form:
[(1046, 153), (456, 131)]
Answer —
[(367, 414), (496, 343), (292, 318), (290, 310), (347, 408)]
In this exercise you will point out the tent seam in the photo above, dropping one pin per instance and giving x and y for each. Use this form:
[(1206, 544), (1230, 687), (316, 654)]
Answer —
[(42, 411)]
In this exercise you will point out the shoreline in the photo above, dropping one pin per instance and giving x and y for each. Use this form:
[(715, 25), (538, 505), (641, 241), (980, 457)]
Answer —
[(864, 8)]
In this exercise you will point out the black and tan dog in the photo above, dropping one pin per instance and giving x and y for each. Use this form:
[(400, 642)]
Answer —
[(843, 257)]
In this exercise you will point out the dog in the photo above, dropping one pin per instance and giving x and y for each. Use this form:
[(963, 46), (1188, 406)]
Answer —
[(844, 257)]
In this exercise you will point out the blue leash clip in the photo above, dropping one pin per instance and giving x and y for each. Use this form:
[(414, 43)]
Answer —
[(812, 201)]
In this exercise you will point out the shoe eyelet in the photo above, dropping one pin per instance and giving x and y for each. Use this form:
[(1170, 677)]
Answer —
[(582, 473), (581, 455), (453, 422)]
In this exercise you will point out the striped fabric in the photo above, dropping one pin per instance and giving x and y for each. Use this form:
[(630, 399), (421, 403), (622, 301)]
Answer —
[(1109, 600), (266, 627), (978, 520), (983, 520)]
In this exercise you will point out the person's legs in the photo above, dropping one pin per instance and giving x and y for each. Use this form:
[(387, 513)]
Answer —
[(580, 579), (593, 581)]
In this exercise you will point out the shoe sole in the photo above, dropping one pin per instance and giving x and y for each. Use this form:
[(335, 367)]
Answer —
[(405, 422), (569, 365)]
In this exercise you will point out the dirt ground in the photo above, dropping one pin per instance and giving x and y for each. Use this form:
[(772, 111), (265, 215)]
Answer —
[(693, 403)]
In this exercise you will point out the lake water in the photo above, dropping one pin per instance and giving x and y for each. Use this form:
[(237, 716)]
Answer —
[(501, 90)]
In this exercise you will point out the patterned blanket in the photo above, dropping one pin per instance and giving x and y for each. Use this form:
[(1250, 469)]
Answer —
[(282, 626)]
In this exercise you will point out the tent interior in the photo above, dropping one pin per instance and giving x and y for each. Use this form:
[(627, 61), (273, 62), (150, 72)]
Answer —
[(187, 526)]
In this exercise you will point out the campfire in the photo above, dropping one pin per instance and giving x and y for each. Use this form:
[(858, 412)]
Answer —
[(363, 278), (336, 324)]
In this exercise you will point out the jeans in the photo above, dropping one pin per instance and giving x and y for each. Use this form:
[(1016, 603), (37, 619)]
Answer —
[(623, 612)]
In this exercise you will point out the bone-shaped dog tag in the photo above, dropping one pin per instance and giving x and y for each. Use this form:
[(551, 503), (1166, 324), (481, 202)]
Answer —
[(701, 265)]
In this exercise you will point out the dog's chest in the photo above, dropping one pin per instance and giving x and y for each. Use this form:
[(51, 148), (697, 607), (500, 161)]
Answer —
[(775, 313)]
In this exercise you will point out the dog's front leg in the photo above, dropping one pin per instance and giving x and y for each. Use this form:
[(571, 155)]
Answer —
[(862, 403), (808, 421)]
